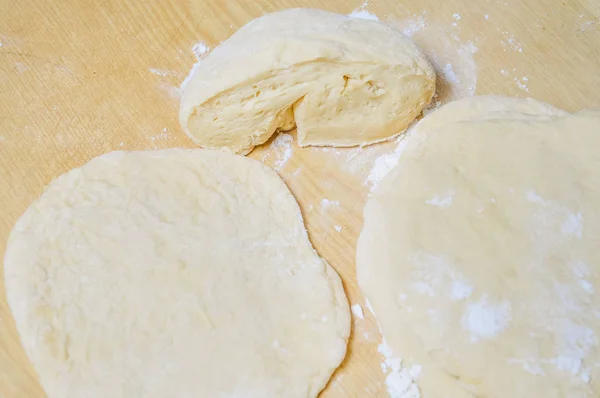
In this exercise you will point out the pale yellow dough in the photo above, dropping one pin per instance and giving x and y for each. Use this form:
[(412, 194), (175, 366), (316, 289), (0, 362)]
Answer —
[(342, 81), (479, 253), (175, 273)]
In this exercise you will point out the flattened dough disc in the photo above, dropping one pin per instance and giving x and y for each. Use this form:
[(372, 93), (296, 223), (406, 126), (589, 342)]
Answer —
[(175, 273), (479, 252)]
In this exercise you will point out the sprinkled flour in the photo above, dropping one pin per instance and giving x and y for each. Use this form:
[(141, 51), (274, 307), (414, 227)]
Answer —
[(511, 42), (162, 72), (326, 203), (166, 84), (452, 58), (573, 225), (369, 307), (282, 148), (400, 382), (449, 74), (164, 135), (442, 201), (484, 320), (384, 164), (435, 273), (521, 83), (357, 311), (460, 290), (413, 25), (362, 13), (200, 50)]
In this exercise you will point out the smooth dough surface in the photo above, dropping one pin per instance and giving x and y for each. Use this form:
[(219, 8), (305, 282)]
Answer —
[(341, 81), (175, 273), (479, 253)]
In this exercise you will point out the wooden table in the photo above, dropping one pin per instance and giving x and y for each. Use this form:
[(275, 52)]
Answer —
[(81, 78)]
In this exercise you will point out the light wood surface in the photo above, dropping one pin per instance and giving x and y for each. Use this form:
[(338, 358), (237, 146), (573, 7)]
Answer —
[(79, 78)]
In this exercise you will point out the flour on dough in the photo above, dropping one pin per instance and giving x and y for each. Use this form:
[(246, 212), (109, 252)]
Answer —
[(173, 273), (480, 255), (341, 81)]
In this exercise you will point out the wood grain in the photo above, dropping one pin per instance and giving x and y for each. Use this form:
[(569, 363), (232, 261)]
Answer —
[(80, 78)]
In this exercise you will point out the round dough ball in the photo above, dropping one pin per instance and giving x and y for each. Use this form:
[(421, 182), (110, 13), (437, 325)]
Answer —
[(341, 81), (175, 273), (479, 253)]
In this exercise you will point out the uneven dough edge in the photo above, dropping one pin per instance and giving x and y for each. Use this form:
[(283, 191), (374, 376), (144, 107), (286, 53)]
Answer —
[(487, 107), (16, 298), (204, 87)]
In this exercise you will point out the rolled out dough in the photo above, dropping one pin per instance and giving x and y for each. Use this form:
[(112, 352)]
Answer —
[(342, 81), (479, 252), (175, 273)]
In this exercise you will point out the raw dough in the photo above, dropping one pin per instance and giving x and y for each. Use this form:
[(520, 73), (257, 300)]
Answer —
[(479, 253), (175, 273), (342, 81)]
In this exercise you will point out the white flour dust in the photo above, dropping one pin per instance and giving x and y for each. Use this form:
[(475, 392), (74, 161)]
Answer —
[(529, 365), (21, 67), (484, 320), (369, 307), (282, 148), (200, 50), (413, 25), (588, 25), (460, 290), (357, 311), (165, 135), (511, 42), (383, 164), (580, 271), (162, 72), (442, 201), (452, 58), (326, 204), (467, 78), (367, 164), (520, 81), (457, 18), (161, 136), (172, 91), (400, 382), (436, 274), (449, 75), (362, 13)]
